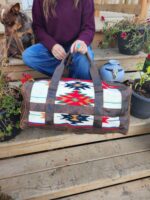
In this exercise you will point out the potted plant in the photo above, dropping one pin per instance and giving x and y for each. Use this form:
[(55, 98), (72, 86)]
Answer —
[(147, 63), (108, 31), (140, 101), (131, 36), (147, 38), (10, 104), (10, 109)]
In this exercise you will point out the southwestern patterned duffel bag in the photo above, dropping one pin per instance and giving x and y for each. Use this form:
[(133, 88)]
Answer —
[(78, 105)]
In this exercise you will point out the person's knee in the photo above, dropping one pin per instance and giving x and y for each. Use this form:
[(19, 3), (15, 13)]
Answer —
[(27, 56), (33, 54)]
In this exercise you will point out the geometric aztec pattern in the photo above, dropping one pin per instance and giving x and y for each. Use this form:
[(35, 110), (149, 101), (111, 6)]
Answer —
[(73, 120), (84, 120), (75, 98), (75, 93), (38, 118), (77, 85)]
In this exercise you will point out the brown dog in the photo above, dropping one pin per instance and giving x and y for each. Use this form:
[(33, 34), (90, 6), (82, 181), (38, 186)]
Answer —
[(18, 29)]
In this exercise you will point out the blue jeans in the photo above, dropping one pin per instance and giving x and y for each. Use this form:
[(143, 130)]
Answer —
[(41, 59)]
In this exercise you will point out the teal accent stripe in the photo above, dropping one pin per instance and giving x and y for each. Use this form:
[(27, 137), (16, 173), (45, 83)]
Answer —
[(35, 114), (112, 102), (39, 97)]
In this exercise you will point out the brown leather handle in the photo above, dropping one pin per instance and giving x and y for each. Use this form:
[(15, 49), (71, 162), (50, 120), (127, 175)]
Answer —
[(60, 69), (54, 85)]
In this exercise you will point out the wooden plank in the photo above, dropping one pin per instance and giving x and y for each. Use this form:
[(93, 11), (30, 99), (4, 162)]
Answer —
[(135, 190), (123, 8), (16, 62), (16, 68), (131, 75), (96, 10), (3, 1), (79, 178), (98, 37), (64, 157), (144, 9), (102, 55), (18, 75), (37, 140), (129, 62), (16, 72)]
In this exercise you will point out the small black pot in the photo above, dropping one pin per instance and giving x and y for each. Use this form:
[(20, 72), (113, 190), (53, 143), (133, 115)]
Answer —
[(13, 119), (140, 106), (123, 43)]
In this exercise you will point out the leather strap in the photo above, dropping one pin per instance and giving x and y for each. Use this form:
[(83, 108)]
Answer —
[(54, 85), (98, 94)]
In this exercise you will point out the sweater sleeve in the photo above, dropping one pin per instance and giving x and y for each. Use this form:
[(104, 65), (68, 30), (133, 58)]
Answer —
[(38, 26), (88, 22)]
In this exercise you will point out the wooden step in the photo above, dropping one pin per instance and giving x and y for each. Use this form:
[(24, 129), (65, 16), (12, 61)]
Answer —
[(16, 67), (128, 62), (34, 140), (135, 190), (70, 171), (102, 56), (29, 164)]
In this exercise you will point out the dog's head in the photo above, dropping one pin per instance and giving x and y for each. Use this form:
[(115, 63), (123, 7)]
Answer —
[(8, 16)]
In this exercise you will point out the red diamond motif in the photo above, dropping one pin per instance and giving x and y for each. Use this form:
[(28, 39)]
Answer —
[(75, 99)]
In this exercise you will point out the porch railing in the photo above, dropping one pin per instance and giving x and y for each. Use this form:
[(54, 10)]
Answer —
[(137, 7)]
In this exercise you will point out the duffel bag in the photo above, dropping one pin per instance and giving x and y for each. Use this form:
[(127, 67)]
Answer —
[(77, 105)]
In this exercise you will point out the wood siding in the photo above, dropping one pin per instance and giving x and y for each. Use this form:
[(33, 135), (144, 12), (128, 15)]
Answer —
[(109, 14)]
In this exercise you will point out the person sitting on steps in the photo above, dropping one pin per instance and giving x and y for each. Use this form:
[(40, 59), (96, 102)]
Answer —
[(60, 26)]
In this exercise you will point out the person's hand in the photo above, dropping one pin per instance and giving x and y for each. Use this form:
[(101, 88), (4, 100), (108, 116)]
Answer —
[(58, 52), (79, 46)]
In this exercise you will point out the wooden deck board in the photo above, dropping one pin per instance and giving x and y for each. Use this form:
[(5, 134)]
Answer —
[(135, 190), (16, 67), (128, 62), (100, 55), (111, 53), (72, 156), (37, 140), (69, 180)]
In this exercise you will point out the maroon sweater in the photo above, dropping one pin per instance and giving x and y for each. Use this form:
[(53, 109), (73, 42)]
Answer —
[(70, 23)]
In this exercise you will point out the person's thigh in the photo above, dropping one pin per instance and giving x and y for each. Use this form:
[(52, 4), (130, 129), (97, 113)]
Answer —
[(39, 58)]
